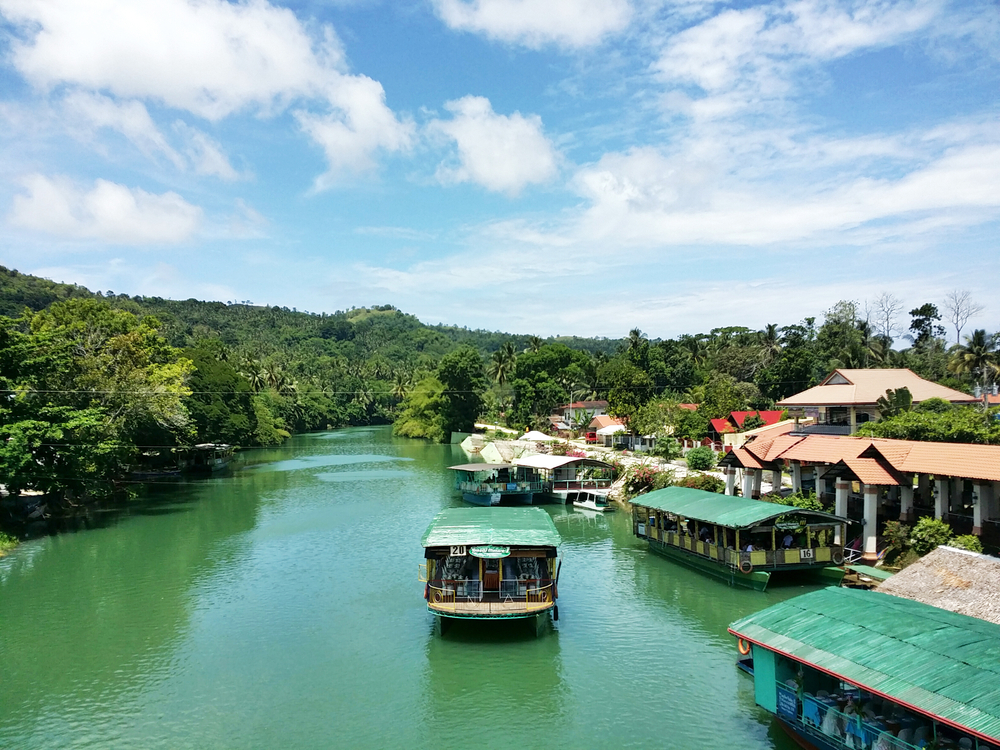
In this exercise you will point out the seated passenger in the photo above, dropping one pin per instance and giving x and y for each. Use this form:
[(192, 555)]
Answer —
[(788, 541)]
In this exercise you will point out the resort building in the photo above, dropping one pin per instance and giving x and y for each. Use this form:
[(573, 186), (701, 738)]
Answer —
[(875, 480), (570, 413), (847, 398)]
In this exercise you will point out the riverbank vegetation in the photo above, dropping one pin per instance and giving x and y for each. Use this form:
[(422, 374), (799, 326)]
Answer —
[(99, 383)]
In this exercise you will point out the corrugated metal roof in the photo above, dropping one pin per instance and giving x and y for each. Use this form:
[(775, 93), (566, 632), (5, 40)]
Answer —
[(939, 662), (479, 467), (725, 510), (546, 461), (530, 527)]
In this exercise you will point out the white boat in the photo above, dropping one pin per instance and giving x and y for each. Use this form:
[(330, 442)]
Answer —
[(591, 501)]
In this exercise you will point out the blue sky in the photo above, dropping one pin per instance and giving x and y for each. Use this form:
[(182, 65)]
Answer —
[(535, 166)]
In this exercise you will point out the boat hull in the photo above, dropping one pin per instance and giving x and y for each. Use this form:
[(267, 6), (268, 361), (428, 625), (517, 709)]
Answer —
[(813, 741), (473, 498), (757, 579)]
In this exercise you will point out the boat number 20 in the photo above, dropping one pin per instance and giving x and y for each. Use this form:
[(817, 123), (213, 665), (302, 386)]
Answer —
[(805, 554), (459, 550)]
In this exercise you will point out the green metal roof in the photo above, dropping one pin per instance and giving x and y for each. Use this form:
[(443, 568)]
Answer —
[(724, 510), (867, 570), (939, 662), (530, 527)]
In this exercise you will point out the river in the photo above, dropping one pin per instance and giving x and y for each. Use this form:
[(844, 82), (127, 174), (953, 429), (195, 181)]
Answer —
[(278, 606)]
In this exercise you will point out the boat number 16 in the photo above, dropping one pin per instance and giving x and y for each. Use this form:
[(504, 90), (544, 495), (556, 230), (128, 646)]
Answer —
[(805, 554), (459, 550)]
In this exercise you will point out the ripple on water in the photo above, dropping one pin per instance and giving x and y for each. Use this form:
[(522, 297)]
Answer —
[(315, 462)]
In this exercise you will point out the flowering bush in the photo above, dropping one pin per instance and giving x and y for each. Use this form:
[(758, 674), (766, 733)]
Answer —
[(705, 482), (576, 454)]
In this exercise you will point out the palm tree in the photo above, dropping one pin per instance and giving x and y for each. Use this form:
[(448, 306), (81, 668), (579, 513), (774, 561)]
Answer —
[(977, 357), (502, 363), (401, 384), (770, 344), (534, 344)]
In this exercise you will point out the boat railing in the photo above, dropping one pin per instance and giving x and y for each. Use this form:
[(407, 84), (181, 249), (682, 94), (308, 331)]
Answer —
[(581, 484), (491, 487), (740, 559), (533, 590), (822, 717)]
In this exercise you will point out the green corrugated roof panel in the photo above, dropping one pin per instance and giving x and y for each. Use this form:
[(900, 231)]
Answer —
[(530, 527), (725, 510), (938, 661)]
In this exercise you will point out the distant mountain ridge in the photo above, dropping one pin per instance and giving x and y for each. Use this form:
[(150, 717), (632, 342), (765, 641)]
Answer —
[(275, 328)]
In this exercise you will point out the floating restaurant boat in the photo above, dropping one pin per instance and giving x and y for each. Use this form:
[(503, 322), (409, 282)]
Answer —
[(491, 563), (845, 668), (741, 541), (208, 457), (566, 478), (489, 484)]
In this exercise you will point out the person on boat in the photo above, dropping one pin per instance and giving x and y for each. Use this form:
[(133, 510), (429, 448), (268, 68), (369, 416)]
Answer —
[(788, 541), (749, 547), (705, 534)]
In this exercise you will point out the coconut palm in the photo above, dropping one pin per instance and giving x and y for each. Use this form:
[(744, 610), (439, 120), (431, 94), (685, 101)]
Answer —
[(976, 358), (401, 384), (502, 363), (534, 344)]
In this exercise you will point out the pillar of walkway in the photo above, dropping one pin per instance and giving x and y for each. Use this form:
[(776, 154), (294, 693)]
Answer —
[(747, 483), (818, 472), (758, 476), (871, 523), (941, 497), (843, 488), (776, 480), (980, 502), (796, 476), (924, 487), (955, 495), (730, 480), (906, 499)]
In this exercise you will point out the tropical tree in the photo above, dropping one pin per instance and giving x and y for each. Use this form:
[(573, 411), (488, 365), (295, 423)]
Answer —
[(502, 363), (976, 358), (894, 402), (534, 344)]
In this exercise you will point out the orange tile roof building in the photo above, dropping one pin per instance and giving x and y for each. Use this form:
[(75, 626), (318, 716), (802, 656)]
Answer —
[(954, 481)]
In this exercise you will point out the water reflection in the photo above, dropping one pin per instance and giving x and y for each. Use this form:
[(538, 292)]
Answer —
[(491, 684)]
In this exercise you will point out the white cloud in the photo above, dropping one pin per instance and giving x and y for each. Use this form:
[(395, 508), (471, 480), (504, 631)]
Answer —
[(747, 59), (211, 58), (502, 153), (130, 118), (109, 212), (643, 198), (534, 23), (205, 154)]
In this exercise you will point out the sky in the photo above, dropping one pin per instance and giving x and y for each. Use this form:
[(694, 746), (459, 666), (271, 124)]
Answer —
[(552, 167)]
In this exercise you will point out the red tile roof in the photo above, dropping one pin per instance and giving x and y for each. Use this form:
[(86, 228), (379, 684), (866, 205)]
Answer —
[(604, 420), (769, 417)]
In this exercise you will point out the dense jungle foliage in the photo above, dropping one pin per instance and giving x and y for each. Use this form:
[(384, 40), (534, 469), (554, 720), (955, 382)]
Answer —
[(97, 383)]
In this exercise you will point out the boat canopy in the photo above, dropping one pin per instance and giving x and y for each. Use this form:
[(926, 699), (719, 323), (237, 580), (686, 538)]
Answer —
[(941, 663), (723, 510), (545, 461), (528, 527), (479, 467)]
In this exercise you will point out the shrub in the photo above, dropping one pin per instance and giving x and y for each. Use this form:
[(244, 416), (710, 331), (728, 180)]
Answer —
[(666, 448), (6, 542), (662, 479), (928, 534), (641, 478), (896, 535), (907, 558), (701, 458), (967, 541), (705, 482)]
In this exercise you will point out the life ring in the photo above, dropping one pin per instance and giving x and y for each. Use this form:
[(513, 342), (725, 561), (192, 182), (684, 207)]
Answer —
[(838, 558), (746, 567), (743, 646), (436, 596)]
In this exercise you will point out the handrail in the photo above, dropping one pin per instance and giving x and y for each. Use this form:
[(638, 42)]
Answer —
[(759, 558), (422, 572)]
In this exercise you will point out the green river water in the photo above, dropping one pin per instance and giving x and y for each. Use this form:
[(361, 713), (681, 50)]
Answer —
[(278, 606)]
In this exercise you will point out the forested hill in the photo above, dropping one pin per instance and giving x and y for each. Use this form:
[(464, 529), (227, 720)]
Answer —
[(381, 331)]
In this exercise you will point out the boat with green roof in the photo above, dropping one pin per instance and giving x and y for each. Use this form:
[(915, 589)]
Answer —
[(742, 541), (846, 668), (491, 563)]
